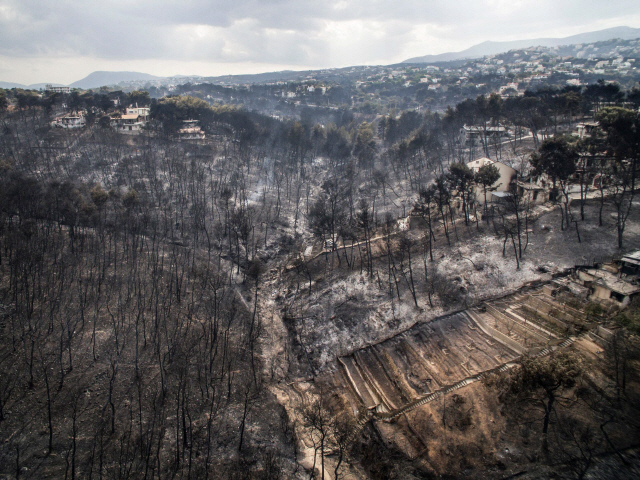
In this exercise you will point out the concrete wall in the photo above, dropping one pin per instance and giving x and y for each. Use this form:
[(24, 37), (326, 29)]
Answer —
[(506, 175), (601, 292), (605, 333), (495, 334), (543, 309), (584, 276)]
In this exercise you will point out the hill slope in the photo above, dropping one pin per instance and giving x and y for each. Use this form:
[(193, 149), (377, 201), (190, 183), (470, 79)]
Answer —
[(33, 86), (98, 79), (491, 48)]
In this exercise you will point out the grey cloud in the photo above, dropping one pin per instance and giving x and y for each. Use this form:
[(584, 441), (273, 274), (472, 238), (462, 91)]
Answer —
[(270, 31)]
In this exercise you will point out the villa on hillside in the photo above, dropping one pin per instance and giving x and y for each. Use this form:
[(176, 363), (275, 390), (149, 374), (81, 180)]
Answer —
[(131, 122)]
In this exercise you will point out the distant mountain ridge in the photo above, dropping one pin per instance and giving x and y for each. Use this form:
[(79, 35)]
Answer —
[(93, 80), (492, 48), (260, 77), (98, 79), (34, 86), (105, 78)]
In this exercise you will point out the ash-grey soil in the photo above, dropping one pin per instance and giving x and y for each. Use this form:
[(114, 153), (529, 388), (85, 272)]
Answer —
[(347, 310)]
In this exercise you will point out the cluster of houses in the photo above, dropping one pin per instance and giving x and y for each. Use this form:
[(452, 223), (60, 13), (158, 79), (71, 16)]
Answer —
[(612, 283), (534, 190), (132, 122)]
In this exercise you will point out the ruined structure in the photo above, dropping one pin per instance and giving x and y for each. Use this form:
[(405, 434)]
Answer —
[(612, 283)]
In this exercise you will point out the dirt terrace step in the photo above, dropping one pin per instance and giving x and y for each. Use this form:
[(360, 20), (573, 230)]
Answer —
[(432, 396)]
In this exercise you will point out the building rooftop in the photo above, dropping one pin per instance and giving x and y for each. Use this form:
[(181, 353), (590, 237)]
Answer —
[(633, 257), (480, 162), (573, 287), (530, 186), (613, 282), (501, 194)]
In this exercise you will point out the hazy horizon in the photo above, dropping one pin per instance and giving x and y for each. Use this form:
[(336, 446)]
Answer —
[(64, 42)]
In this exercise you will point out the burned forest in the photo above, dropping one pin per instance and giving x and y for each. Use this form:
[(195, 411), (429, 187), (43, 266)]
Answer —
[(191, 289)]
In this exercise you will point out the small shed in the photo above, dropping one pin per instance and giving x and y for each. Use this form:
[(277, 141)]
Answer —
[(533, 193)]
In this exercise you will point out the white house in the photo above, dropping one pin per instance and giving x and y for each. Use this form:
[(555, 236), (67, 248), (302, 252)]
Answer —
[(51, 88), (140, 111), (132, 122), (507, 175)]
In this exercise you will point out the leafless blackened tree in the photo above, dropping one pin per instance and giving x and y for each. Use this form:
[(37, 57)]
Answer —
[(365, 223), (426, 203), (405, 246)]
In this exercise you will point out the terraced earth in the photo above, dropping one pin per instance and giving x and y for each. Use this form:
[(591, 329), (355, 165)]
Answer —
[(394, 382), (430, 357)]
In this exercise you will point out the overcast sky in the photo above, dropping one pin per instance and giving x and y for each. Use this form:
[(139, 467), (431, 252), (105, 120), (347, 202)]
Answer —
[(63, 40)]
